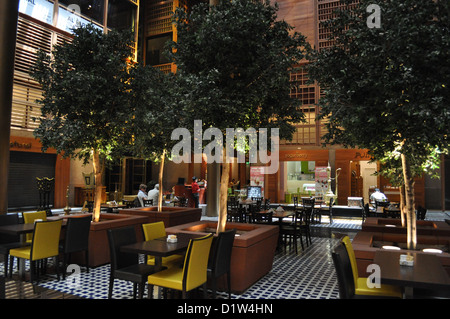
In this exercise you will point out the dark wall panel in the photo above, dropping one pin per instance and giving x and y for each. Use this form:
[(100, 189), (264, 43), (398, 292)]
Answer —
[(24, 168)]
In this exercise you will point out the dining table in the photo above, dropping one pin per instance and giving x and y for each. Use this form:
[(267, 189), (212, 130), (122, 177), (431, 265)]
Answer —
[(160, 247), (427, 271)]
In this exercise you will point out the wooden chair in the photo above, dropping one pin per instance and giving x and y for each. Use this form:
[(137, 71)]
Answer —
[(126, 266), (76, 239), (220, 258), (147, 202)]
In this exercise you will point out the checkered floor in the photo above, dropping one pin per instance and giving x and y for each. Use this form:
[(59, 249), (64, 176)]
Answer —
[(309, 274)]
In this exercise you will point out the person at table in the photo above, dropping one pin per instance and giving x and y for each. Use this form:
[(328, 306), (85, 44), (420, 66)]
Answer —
[(142, 194), (378, 196), (195, 191), (153, 194)]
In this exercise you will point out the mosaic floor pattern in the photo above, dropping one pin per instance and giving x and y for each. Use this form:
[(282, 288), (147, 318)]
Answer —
[(310, 274), (307, 275)]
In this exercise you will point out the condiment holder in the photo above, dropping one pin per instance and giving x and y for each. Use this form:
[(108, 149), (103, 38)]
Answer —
[(406, 260), (172, 239)]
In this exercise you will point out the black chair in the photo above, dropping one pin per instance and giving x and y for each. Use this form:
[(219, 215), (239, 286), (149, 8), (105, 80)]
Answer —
[(90, 206), (76, 239), (147, 202), (290, 233), (344, 273), (220, 258), (307, 218), (8, 242), (262, 218), (128, 203), (326, 211), (295, 200), (421, 213), (126, 266)]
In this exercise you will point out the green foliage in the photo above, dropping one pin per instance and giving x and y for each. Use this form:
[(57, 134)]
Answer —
[(86, 102), (387, 89), (233, 63), (155, 98)]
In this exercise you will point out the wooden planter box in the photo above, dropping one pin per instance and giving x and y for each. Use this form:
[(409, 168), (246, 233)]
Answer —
[(365, 244), (394, 225), (252, 255), (171, 216), (98, 238)]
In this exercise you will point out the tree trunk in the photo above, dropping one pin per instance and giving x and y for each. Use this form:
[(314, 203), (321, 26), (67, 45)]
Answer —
[(160, 181), (223, 197), (409, 200), (403, 205), (98, 173)]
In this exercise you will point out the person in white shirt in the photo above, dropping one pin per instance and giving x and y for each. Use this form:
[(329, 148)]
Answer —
[(142, 194), (378, 196), (153, 194)]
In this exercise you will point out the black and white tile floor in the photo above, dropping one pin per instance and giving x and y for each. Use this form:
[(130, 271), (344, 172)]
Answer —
[(310, 274)]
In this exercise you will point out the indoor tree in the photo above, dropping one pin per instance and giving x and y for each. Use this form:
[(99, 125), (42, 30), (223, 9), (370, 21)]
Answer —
[(233, 60), (156, 116), (386, 84), (86, 104)]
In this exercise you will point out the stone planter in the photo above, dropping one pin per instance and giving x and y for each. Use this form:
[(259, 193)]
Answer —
[(253, 250), (98, 238), (171, 216)]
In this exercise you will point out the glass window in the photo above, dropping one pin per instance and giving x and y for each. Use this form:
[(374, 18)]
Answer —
[(155, 50), (38, 9), (93, 9), (301, 177), (121, 14)]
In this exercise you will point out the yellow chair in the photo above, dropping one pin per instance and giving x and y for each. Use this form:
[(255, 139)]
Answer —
[(361, 287), (194, 271), (29, 218), (157, 230), (45, 244)]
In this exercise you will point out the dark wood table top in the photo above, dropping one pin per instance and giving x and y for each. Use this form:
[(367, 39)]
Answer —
[(427, 271), (160, 247), (19, 229)]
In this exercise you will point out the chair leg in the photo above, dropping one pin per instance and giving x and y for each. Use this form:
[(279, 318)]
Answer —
[(213, 287), (5, 264), (111, 285), (55, 260), (150, 291), (205, 294), (87, 260), (134, 290), (11, 261), (229, 284)]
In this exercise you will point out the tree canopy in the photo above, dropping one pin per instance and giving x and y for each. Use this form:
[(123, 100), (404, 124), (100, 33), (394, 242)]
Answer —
[(386, 85), (234, 60), (86, 102), (387, 88)]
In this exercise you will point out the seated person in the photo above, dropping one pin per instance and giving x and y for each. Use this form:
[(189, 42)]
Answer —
[(142, 194), (153, 194), (378, 196)]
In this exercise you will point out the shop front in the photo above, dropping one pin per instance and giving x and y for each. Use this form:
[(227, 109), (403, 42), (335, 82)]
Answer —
[(27, 163)]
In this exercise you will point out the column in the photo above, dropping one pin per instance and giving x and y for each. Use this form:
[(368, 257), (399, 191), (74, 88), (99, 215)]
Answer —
[(9, 11)]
